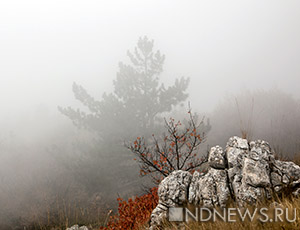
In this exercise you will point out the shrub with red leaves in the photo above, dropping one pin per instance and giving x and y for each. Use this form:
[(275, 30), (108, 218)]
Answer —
[(133, 213), (176, 149)]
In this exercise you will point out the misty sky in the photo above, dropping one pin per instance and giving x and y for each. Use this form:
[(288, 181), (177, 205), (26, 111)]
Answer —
[(223, 46)]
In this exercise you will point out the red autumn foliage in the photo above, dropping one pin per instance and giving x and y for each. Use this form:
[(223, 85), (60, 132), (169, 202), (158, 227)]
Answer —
[(176, 150), (133, 213)]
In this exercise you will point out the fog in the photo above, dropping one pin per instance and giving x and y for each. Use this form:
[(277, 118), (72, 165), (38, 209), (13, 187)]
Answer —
[(226, 48), (45, 46)]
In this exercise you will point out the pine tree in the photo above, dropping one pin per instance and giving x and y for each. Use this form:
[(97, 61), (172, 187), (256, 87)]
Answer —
[(137, 100)]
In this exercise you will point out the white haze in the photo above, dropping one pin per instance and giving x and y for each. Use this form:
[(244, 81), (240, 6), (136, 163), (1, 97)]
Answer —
[(222, 46), (225, 47)]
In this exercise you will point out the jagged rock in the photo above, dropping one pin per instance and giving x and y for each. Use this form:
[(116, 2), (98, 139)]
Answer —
[(158, 215), (285, 175), (216, 158), (236, 149), (210, 189), (256, 173), (194, 191), (260, 150), (172, 191), (245, 172), (76, 227)]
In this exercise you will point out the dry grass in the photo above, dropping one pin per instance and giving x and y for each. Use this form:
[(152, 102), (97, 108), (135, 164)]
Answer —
[(63, 214)]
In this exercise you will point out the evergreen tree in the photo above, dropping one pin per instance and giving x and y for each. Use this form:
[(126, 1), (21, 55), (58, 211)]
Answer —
[(137, 100)]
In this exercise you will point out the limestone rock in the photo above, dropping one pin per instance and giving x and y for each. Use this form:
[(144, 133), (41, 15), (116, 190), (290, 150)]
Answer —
[(76, 227), (244, 172), (256, 173), (194, 190), (173, 190), (158, 215), (236, 149), (216, 158)]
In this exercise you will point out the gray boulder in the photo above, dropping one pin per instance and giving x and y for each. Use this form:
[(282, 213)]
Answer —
[(76, 227), (245, 173), (172, 192), (216, 158)]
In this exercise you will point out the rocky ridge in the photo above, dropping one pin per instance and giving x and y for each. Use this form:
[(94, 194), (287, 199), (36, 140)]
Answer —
[(244, 173)]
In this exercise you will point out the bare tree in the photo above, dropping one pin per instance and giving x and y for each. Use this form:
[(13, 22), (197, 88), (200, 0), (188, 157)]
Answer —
[(176, 150)]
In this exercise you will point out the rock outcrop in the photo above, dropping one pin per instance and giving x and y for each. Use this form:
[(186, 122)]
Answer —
[(76, 227), (244, 173)]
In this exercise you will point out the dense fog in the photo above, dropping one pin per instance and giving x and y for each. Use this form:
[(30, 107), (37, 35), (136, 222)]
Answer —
[(236, 63)]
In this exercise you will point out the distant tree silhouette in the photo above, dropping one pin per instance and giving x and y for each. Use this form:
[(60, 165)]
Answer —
[(137, 100)]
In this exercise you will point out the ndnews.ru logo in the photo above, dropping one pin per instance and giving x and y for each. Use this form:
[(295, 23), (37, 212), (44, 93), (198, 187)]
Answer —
[(180, 214)]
